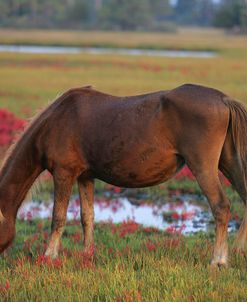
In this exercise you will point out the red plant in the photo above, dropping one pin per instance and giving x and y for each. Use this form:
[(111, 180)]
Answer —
[(45, 235), (149, 230), (126, 250), (150, 246), (175, 216), (110, 250), (187, 215), (57, 263), (29, 215), (173, 230), (9, 125), (113, 204), (76, 237), (125, 228), (129, 297), (185, 173), (117, 190), (44, 260), (4, 287), (40, 226), (182, 216), (85, 258), (172, 242)]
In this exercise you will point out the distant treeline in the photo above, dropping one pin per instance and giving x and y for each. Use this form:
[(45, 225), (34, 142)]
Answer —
[(158, 15)]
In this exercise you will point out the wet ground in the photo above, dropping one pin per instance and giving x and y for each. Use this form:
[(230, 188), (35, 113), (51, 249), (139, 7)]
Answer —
[(174, 216), (100, 50)]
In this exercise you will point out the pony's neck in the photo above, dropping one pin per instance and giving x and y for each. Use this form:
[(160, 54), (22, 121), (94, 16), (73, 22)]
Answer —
[(18, 173)]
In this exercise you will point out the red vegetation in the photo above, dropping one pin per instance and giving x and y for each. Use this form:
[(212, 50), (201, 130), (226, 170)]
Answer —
[(173, 242), (77, 237), (44, 260), (113, 189), (85, 258), (185, 173), (125, 228), (113, 204), (9, 126), (4, 287), (151, 246), (150, 230), (183, 216), (130, 297), (173, 230)]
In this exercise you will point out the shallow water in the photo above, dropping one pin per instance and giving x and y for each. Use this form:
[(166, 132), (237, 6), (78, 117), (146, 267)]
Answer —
[(100, 50), (184, 217)]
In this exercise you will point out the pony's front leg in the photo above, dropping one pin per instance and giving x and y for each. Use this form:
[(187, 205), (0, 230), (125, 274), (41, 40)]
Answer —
[(63, 182), (86, 192)]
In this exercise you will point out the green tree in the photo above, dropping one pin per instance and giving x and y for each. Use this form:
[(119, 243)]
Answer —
[(205, 12), (79, 13), (194, 12), (125, 15), (160, 9), (186, 11), (231, 13), (102, 14)]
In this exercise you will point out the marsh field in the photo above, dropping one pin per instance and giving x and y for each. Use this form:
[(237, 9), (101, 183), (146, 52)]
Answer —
[(132, 262)]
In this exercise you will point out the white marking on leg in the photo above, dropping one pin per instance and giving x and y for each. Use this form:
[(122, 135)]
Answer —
[(2, 218), (53, 246), (220, 257)]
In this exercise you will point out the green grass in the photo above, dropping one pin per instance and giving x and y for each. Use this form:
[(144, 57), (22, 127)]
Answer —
[(141, 266)]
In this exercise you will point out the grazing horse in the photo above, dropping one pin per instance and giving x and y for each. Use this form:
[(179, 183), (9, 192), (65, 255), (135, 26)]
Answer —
[(133, 141)]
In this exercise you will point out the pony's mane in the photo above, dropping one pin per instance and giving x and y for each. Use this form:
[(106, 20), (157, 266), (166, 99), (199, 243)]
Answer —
[(20, 135), (35, 121)]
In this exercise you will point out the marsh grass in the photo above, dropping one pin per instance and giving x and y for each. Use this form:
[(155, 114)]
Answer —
[(29, 82), (142, 265)]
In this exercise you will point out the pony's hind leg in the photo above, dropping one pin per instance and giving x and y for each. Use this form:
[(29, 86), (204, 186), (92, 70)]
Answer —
[(210, 184), (230, 167), (63, 182), (240, 242), (86, 192)]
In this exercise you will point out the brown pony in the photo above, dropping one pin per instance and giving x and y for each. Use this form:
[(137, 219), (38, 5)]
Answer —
[(134, 141)]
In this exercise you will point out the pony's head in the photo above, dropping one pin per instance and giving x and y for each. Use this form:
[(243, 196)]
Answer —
[(7, 232)]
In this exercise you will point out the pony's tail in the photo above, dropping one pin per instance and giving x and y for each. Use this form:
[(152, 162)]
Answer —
[(238, 128)]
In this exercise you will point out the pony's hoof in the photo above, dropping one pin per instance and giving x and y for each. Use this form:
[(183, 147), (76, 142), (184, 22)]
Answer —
[(51, 254), (218, 265)]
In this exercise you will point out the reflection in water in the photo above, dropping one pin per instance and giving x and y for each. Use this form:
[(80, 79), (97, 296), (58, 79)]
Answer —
[(183, 216)]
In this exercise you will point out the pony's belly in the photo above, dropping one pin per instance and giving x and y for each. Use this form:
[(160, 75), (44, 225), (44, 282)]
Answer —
[(133, 173), (139, 181)]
